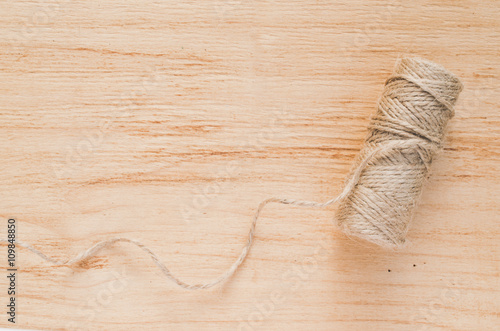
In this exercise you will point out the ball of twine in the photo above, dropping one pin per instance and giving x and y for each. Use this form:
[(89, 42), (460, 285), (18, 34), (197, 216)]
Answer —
[(410, 121), (380, 194)]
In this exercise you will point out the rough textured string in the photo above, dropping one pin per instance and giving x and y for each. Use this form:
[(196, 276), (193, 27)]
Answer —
[(386, 180), (416, 104), (94, 250)]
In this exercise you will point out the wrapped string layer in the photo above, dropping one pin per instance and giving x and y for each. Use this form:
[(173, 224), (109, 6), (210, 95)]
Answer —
[(415, 106)]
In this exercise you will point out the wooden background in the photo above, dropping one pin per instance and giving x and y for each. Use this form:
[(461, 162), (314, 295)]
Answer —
[(169, 121)]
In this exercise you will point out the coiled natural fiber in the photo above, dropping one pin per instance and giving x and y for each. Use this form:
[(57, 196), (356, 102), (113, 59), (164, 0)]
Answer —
[(412, 114), (379, 196)]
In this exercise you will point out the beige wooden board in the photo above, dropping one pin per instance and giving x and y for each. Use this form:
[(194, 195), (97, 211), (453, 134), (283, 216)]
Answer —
[(169, 121)]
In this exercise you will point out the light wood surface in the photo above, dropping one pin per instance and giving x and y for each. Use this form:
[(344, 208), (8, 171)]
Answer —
[(169, 121)]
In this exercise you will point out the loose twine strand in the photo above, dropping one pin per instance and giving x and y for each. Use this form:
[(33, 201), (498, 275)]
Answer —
[(410, 139), (94, 250)]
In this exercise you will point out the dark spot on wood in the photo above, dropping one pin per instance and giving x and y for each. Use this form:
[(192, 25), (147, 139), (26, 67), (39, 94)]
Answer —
[(92, 263)]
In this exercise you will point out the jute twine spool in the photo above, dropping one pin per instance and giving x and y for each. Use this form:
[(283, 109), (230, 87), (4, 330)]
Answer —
[(411, 118), (383, 188)]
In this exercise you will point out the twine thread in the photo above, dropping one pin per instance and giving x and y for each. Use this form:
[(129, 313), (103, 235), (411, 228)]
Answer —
[(384, 185)]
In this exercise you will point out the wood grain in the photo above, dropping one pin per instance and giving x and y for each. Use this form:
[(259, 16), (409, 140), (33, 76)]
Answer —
[(169, 121)]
